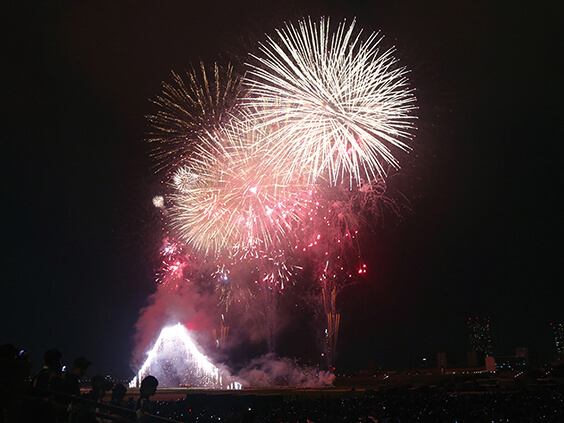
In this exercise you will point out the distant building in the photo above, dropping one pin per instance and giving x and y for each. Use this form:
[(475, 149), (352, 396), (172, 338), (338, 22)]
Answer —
[(490, 364), (558, 329), (519, 361), (522, 352), (511, 363), (472, 359), (480, 336), (441, 361)]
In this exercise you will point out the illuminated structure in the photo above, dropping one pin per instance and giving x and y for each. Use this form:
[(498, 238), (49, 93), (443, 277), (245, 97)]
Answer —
[(176, 362), (558, 329), (480, 335)]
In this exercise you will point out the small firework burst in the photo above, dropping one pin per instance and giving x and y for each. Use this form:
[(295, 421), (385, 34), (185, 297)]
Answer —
[(184, 178), (158, 201)]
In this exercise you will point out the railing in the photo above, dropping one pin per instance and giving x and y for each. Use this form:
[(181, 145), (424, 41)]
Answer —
[(56, 407)]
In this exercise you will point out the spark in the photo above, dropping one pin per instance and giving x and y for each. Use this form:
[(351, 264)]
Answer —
[(175, 360), (177, 265), (235, 205), (170, 247), (184, 178), (195, 102), (342, 107), (158, 201)]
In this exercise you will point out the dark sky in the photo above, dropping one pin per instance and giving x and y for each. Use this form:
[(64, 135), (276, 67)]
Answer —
[(484, 179)]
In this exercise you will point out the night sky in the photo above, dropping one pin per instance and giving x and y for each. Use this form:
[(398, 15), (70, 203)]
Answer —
[(483, 237)]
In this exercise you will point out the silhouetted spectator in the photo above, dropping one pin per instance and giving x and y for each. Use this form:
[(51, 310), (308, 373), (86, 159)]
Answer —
[(99, 388), (71, 380), (47, 380), (144, 407), (50, 376), (14, 374), (118, 394)]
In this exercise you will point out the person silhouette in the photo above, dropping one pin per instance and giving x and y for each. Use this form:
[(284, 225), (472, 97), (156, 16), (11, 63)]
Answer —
[(144, 407), (50, 376), (99, 388), (71, 380), (14, 375), (118, 394)]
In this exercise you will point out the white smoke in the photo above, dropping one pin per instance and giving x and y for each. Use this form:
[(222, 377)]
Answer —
[(270, 371)]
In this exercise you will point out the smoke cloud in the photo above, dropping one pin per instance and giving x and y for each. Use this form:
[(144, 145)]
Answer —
[(271, 371)]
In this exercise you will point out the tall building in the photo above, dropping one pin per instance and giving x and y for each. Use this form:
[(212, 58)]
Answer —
[(480, 335), (522, 352), (441, 361), (558, 329), (472, 359)]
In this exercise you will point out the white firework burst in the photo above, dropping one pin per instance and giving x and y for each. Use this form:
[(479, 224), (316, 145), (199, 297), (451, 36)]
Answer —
[(342, 107), (184, 178), (158, 201)]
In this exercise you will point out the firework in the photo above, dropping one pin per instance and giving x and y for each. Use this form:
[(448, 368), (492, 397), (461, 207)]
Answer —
[(330, 242), (220, 336), (231, 288), (240, 280), (170, 273), (234, 204), (184, 179), (282, 175), (158, 201), (178, 264), (342, 106), (190, 105), (176, 360)]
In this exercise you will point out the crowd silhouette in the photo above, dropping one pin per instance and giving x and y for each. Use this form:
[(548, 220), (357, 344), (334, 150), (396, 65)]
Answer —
[(370, 407), (55, 396)]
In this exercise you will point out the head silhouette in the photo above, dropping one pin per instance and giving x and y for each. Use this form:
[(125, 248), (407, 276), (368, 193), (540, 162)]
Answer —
[(148, 386)]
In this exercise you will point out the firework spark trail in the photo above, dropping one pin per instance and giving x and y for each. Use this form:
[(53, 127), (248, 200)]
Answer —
[(239, 279), (341, 105), (333, 223), (198, 101), (231, 207), (234, 204), (330, 241)]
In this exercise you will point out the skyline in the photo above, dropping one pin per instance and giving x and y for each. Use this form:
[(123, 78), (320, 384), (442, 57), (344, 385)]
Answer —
[(480, 236)]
